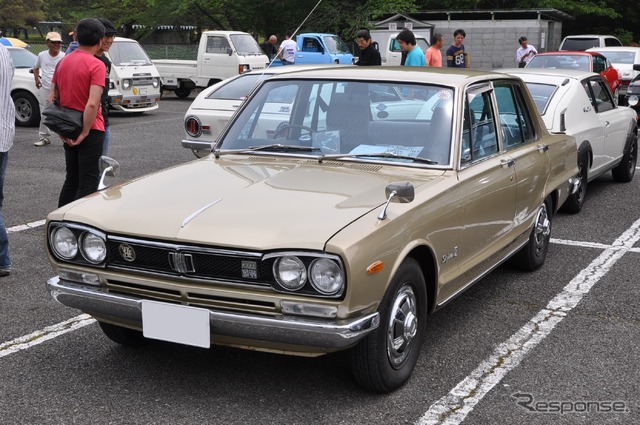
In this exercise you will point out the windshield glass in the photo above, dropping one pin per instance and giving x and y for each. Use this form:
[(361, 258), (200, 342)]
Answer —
[(580, 43), (128, 53), (391, 122), (22, 58), (335, 44), (245, 44), (577, 62), (626, 58), (239, 88)]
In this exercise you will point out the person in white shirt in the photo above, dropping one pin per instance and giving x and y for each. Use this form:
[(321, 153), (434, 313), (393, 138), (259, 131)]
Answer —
[(288, 49), (42, 73), (525, 53), (7, 131)]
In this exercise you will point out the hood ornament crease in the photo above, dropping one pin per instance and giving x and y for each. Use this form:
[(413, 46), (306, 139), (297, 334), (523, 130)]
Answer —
[(197, 212)]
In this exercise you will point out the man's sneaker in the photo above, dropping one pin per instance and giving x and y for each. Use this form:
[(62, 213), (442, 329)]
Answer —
[(42, 142), (5, 271)]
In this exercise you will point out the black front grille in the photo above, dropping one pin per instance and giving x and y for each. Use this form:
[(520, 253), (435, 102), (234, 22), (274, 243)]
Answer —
[(196, 263)]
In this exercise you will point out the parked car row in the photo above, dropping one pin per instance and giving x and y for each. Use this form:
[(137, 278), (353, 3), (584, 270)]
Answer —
[(339, 208), (134, 86)]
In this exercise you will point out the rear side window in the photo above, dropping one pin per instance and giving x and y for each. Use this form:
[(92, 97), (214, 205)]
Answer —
[(515, 121), (599, 95)]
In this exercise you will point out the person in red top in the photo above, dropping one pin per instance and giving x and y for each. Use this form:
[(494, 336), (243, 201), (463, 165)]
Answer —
[(78, 83)]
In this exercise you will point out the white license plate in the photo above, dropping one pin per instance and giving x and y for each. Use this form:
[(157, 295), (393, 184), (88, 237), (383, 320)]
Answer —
[(143, 90), (176, 323)]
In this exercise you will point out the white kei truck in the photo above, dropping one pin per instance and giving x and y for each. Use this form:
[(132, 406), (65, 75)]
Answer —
[(135, 81), (221, 54)]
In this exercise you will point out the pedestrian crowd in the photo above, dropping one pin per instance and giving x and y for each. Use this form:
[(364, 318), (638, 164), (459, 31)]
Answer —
[(77, 80)]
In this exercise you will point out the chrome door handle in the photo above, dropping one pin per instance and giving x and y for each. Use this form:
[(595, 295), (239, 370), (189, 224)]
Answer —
[(507, 162), (543, 148)]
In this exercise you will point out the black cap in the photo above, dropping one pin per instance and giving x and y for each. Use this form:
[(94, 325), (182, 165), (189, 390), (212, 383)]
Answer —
[(109, 29)]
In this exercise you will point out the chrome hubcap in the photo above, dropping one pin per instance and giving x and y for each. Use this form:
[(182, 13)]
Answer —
[(543, 227), (402, 327)]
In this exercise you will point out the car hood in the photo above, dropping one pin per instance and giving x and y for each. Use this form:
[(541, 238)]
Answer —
[(243, 202)]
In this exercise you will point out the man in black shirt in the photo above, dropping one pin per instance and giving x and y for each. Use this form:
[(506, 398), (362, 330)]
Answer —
[(269, 47), (369, 54)]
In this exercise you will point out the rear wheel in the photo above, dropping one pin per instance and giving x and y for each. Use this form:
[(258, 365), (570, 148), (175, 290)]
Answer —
[(384, 359), (575, 201), (533, 254), (182, 93), (123, 336), (27, 109), (625, 171)]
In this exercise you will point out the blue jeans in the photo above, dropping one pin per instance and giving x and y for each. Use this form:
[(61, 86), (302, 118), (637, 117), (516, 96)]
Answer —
[(105, 143), (83, 168), (5, 261)]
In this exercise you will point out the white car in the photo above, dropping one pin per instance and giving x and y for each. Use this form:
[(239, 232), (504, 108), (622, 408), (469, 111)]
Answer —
[(580, 104), (213, 107), (23, 87), (622, 58)]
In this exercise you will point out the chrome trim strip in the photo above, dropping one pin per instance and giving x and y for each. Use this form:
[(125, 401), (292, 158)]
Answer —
[(196, 212), (302, 331)]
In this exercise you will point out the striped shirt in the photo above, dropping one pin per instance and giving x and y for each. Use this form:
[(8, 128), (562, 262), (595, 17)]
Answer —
[(7, 108)]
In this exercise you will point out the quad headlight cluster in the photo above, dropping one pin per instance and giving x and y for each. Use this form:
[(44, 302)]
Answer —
[(322, 272), (77, 244)]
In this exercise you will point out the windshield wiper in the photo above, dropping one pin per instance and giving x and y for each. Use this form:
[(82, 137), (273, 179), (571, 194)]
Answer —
[(378, 155), (272, 147)]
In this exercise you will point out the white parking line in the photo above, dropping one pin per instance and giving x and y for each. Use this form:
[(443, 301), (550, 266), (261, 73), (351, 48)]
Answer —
[(50, 332), (21, 227), (455, 406)]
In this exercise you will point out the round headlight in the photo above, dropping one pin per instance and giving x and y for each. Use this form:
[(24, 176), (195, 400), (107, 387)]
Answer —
[(633, 100), (155, 82), (290, 273), (326, 276), (94, 249), (126, 83), (64, 243)]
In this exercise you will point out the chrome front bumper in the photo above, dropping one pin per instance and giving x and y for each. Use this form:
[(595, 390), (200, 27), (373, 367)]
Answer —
[(294, 330)]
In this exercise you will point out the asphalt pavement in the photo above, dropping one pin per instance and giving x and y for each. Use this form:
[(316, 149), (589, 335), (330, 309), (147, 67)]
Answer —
[(560, 345)]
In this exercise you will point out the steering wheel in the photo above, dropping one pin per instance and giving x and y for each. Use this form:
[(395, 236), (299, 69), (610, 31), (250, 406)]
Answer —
[(283, 127)]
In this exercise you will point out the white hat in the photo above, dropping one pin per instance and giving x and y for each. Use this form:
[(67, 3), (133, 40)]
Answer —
[(53, 36)]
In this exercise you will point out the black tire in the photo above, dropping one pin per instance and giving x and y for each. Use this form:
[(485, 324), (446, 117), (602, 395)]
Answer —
[(575, 202), (182, 93), (123, 336), (625, 171), (27, 109), (384, 359), (532, 255)]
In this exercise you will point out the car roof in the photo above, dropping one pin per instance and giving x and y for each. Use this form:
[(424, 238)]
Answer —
[(590, 36), (614, 49), (570, 52), (409, 74), (550, 73)]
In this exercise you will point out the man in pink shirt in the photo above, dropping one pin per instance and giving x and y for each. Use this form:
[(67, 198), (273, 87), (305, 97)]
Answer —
[(77, 84), (433, 54)]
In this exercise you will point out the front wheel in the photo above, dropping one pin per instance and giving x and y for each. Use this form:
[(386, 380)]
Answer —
[(27, 109), (625, 171), (384, 359), (533, 254)]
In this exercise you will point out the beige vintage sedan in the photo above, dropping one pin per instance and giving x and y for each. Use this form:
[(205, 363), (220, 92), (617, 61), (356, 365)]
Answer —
[(341, 227)]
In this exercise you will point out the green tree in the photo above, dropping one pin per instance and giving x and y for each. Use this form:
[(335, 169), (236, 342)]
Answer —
[(17, 16)]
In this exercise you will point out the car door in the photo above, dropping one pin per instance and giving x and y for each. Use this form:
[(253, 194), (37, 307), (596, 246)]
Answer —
[(610, 120), (311, 51), (487, 183), (529, 155), (218, 60)]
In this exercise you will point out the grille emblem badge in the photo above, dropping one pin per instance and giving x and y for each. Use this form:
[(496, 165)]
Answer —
[(127, 252), (182, 263)]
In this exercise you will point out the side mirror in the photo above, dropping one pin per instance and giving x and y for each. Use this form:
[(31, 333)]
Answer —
[(108, 167), (636, 67), (229, 51), (400, 192)]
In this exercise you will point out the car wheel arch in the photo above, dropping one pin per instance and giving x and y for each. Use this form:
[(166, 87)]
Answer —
[(585, 148), (426, 258)]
